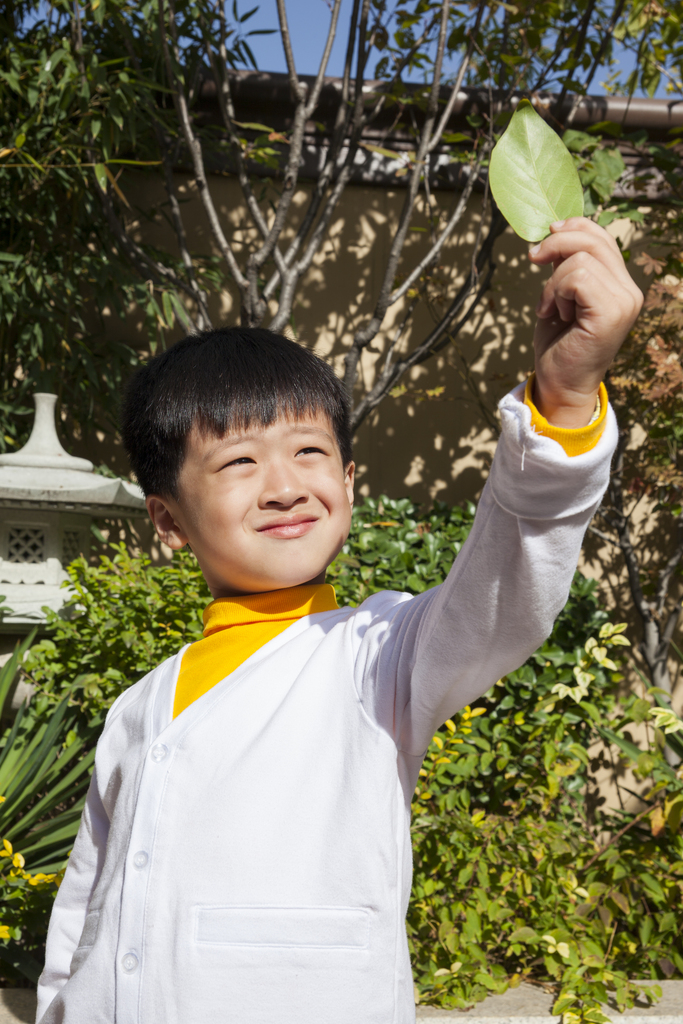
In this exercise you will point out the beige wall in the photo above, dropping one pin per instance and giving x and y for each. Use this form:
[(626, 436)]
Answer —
[(424, 448)]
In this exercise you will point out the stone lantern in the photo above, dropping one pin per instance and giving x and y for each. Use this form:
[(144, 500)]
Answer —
[(48, 499)]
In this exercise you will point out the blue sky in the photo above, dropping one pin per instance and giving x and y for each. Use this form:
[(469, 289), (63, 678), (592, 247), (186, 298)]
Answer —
[(308, 22)]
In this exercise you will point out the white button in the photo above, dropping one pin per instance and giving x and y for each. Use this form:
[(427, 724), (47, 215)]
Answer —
[(129, 963), (140, 859), (159, 752)]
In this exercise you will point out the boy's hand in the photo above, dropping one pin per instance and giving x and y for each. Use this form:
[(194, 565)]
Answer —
[(586, 310)]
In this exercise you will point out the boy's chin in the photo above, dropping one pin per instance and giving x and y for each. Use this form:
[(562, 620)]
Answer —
[(265, 585), (297, 581)]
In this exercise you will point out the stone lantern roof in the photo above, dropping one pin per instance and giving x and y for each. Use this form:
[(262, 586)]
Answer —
[(42, 475), (48, 499)]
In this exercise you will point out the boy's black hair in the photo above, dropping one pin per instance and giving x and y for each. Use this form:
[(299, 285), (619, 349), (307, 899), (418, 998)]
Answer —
[(222, 380)]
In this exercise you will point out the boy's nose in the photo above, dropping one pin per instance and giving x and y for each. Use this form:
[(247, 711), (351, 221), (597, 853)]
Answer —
[(282, 490)]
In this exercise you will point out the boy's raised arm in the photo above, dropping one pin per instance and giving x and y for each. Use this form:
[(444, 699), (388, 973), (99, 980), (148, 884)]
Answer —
[(512, 577)]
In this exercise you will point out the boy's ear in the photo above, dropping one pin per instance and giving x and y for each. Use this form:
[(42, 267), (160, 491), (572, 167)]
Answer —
[(169, 530), (349, 477)]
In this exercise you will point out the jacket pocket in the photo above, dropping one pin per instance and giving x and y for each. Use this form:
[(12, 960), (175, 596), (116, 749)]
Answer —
[(291, 927), (87, 939)]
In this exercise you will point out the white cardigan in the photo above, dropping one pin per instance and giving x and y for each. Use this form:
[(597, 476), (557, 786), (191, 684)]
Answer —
[(249, 862)]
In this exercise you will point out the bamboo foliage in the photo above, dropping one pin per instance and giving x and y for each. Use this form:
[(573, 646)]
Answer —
[(45, 767)]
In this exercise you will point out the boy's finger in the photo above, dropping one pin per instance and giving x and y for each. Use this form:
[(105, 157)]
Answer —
[(587, 227), (562, 244), (570, 295), (581, 280)]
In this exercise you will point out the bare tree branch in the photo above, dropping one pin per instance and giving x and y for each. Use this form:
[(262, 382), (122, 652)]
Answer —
[(365, 334), (398, 71), (443, 333), (425, 116), (670, 566), (622, 528), (146, 266), (434, 253), (169, 157), (203, 320), (602, 535), (318, 84), (578, 49), (602, 49), (194, 146), (299, 89), (462, 70), (656, 641), (227, 109), (327, 173), (360, 120)]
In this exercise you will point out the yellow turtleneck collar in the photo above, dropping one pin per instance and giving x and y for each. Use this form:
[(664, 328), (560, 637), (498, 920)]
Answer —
[(236, 627), (273, 606)]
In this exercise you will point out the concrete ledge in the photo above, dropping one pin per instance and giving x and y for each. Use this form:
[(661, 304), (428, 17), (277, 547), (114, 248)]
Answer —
[(17, 1006), (524, 1005), (530, 1005)]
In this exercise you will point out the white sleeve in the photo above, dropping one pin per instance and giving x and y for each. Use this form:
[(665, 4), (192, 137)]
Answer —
[(71, 905), (448, 646)]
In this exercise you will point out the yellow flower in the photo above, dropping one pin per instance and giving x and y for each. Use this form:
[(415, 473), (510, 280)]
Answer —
[(18, 861), (4, 931), (6, 848)]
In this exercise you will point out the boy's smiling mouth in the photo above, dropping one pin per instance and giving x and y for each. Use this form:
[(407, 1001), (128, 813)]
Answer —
[(292, 526)]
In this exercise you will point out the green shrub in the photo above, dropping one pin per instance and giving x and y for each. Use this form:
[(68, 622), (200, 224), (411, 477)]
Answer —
[(45, 769), (511, 879), (124, 617), (394, 546)]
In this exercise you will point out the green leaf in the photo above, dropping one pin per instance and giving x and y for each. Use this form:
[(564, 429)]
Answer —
[(253, 126), (179, 309), (533, 177), (168, 309), (523, 935), (101, 175)]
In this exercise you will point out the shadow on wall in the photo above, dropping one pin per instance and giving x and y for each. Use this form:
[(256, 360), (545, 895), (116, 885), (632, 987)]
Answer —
[(433, 439)]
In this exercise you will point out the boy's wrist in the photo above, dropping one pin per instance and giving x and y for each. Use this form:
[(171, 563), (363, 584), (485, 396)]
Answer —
[(568, 410), (575, 441)]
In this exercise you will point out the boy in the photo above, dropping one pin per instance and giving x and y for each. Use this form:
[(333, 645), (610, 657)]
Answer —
[(244, 854)]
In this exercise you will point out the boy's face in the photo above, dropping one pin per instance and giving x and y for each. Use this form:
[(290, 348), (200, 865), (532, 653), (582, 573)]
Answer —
[(262, 509)]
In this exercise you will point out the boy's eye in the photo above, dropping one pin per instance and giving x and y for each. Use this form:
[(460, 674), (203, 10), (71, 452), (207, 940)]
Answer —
[(310, 451), (242, 461)]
